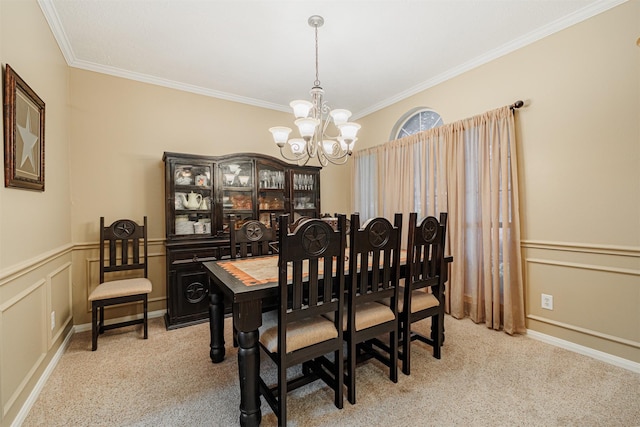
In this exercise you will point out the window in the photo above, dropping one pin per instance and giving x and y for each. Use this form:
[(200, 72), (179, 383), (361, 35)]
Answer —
[(415, 120)]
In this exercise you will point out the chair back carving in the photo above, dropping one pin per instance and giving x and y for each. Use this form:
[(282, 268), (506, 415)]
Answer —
[(251, 239), (123, 239), (310, 268), (374, 248), (425, 253)]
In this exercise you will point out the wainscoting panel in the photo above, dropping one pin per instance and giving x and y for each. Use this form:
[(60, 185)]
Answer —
[(29, 293), (596, 295), (23, 338), (60, 300)]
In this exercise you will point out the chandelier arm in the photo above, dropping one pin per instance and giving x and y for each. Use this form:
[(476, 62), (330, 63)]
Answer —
[(295, 158), (338, 160), (322, 159)]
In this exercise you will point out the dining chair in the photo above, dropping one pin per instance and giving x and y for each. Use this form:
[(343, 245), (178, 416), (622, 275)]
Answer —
[(374, 274), (253, 238), (422, 295), (311, 284), (123, 238)]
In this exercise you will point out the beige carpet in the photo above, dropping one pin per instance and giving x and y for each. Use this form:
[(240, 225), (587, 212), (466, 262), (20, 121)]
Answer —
[(485, 378)]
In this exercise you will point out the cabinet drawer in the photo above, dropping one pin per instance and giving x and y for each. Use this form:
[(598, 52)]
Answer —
[(187, 256)]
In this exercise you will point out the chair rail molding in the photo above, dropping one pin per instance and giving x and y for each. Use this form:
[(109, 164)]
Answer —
[(632, 251), (11, 273)]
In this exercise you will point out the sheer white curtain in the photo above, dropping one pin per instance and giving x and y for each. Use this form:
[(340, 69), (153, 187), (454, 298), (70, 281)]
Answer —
[(468, 169)]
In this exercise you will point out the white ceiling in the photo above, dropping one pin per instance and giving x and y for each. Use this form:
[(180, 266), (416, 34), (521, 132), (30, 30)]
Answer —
[(261, 52)]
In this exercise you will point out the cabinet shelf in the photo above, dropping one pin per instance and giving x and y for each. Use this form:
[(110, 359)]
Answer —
[(238, 210), (242, 189), (183, 188)]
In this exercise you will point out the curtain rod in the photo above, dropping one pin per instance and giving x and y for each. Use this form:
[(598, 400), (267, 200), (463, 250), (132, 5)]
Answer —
[(516, 105)]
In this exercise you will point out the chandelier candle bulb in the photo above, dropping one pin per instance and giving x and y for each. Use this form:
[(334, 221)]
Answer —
[(348, 131), (280, 134), (301, 108), (307, 127), (340, 116), (312, 120)]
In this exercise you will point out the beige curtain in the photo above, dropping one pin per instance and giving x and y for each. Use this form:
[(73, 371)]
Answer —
[(468, 169)]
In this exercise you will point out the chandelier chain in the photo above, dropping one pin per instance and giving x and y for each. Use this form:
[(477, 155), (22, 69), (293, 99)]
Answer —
[(317, 82)]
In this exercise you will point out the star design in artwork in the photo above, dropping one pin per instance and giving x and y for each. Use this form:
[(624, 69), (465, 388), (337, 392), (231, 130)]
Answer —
[(28, 142)]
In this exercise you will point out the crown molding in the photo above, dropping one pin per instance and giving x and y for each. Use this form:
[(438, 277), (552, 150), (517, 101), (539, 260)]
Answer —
[(63, 42), (549, 29)]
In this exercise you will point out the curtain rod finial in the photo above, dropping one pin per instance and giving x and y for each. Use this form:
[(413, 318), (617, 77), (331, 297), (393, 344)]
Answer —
[(519, 103)]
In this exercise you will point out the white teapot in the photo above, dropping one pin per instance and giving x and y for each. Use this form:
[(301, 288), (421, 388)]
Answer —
[(191, 200)]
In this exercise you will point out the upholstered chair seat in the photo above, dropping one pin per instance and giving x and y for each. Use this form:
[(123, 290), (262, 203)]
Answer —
[(368, 314), (121, 288), (420, 300), (300, 334)]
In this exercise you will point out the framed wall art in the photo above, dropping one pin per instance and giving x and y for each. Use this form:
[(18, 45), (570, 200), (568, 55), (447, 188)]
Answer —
[(23, 134)]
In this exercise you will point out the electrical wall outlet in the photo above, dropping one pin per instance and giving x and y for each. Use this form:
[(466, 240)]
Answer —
[(547, 301), (53, 320)]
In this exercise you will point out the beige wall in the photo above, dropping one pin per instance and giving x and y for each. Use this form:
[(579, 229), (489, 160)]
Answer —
[(579, 160), (35, 227)]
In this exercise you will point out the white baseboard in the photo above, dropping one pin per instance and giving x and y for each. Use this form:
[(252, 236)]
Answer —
[(33, 396), (151, 315), (576, 348)]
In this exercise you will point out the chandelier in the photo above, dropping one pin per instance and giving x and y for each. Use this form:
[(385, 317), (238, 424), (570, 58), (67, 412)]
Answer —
[(312, 119)]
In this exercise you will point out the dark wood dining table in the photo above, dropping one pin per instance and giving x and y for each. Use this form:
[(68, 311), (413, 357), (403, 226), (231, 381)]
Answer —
[(245, 283)]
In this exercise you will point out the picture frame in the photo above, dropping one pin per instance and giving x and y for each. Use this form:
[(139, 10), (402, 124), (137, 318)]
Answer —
[(24, 113)]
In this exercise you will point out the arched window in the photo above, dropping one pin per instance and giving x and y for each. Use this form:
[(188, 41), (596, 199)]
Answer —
[(416, 120)]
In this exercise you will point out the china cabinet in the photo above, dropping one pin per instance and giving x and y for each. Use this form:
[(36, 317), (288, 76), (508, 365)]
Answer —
[(202, 193)]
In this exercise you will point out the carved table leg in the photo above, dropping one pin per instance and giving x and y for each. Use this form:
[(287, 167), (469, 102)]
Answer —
[(247, 318), (216, 325), (248, 369)]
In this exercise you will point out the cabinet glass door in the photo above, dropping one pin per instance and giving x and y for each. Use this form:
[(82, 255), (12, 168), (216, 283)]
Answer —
[(271, 192), (192, 199), (237, 191), (304, 202)]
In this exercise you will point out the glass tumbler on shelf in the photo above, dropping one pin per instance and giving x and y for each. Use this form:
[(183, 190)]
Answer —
[(229, 178)]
